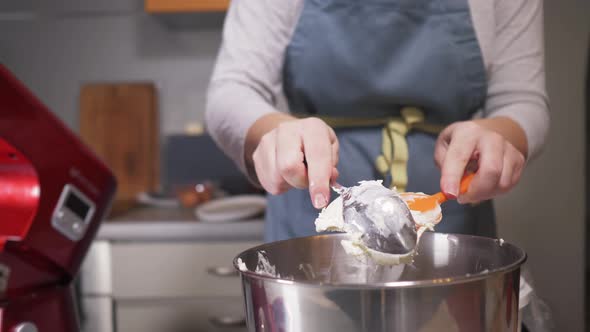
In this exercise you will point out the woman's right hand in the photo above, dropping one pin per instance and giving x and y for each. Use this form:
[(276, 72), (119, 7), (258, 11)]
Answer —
[(294, 153)]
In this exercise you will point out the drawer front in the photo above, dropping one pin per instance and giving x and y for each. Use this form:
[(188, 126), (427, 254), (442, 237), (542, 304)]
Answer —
[(97, 314), (190, 315), (176, 269)]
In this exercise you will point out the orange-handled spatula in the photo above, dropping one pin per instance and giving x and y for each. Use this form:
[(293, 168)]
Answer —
[(428, 203)]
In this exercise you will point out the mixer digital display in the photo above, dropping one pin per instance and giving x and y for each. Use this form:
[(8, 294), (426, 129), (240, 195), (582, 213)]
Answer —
[(77, 205), (73, 212)]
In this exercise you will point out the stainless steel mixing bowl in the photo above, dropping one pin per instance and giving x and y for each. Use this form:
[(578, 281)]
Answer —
[(456, 283)]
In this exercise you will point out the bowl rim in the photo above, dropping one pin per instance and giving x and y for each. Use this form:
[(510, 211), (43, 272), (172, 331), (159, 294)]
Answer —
[(388, 285)]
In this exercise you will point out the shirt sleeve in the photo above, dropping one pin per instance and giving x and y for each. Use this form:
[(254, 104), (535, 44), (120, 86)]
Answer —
[(516, 85), (247, 78)]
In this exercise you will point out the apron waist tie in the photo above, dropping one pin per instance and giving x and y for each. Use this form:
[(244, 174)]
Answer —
[(394, 157)]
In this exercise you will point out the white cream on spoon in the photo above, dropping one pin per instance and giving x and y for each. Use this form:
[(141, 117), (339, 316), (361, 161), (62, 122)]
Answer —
[(331, 218)]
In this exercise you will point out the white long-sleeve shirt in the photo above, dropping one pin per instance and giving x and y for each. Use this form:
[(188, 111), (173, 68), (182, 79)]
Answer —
[(247, 79)]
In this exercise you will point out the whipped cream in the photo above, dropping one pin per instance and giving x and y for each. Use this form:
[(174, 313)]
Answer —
[(331, 219), (241, 265), (264, 267)]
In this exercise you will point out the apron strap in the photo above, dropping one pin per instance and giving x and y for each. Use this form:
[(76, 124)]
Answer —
[(394, 157)]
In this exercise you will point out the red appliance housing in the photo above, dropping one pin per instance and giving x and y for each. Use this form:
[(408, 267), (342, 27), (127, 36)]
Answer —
[(54, 192)]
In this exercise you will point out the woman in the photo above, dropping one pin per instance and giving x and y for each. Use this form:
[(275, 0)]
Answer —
[(372, 83)]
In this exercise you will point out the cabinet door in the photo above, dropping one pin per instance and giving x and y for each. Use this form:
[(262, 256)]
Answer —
[(215, 314), (171, 6), (175, 269)]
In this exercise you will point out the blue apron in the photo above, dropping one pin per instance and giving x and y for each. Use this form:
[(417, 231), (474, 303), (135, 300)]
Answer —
[(371, 58)]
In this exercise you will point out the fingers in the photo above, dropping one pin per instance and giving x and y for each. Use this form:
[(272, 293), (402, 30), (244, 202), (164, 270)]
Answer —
[(519, 162), (490, 168), (466, 147), (318, 153), (514, 163), (290, 157), (335, 146), (335, 175), (505, 182), (299, 154), (264, 158), (460, 150), (442, 145), (500, 165)]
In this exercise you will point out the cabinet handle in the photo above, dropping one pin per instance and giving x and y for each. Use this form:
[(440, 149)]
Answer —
[(223, 271), (228, 321)]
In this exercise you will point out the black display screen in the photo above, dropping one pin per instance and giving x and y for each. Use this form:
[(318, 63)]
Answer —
[(76, 205)]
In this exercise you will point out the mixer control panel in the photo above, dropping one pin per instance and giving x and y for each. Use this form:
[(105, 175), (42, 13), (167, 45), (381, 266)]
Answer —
[(73, 212)]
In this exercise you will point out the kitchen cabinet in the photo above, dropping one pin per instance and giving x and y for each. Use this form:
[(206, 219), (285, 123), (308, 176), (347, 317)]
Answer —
[(158, 270), (210, 314), (180, 6), (175, 270), (163, 286)]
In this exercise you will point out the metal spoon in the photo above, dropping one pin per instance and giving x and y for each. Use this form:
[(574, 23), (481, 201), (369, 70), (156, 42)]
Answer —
[(381, 216)]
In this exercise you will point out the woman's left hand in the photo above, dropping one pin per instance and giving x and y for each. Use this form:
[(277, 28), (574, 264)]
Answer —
[(497, 162)]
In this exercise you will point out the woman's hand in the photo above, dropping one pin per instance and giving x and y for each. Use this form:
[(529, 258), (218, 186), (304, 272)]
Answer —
[(489, 146), (294, 153)]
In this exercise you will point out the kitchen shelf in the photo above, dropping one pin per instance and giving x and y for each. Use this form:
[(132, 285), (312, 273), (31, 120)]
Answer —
[(184, 6)]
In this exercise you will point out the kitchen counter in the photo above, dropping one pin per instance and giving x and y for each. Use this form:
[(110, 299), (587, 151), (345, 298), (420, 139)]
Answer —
[(155, 224)]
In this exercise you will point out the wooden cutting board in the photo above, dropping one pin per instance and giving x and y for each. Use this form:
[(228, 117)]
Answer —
[(120, 123)]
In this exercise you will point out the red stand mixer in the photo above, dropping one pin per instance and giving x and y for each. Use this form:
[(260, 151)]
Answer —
[(54, 193)]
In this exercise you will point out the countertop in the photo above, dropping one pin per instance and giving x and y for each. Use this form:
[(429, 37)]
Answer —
[(174, 224)]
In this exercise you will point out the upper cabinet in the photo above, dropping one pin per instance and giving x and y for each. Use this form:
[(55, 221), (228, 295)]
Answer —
[(183, 6)]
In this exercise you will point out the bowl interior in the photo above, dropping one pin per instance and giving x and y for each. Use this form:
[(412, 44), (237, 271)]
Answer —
[(440, 258)]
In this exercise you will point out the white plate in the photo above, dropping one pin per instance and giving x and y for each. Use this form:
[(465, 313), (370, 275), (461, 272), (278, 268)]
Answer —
[(231, 208)]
